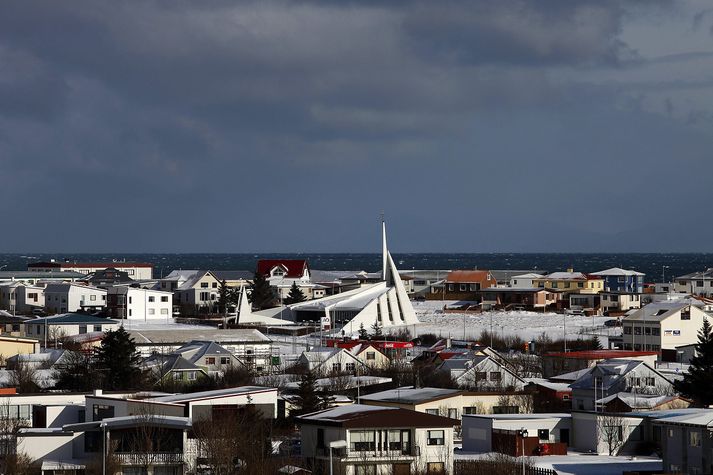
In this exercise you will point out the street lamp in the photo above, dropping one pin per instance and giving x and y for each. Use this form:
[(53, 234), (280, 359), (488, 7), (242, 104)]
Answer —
[(335, 444), (523, 433)]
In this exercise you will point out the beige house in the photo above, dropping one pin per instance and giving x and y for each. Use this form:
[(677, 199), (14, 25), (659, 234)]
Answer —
[(452, 403), (663, 325), (370, 355), (12, 345)]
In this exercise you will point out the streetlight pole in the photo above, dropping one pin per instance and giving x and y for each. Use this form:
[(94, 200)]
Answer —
[(523, 434), (335, 444)]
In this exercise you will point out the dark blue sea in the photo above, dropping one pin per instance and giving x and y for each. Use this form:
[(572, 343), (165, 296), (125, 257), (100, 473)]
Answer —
[(651, 264)]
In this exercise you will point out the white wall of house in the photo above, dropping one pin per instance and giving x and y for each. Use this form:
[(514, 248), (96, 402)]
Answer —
[(37, 330), (72, 297), (477, 430), (588, 434), (202, 408), (40, 445), (146, 304), (668, 333)]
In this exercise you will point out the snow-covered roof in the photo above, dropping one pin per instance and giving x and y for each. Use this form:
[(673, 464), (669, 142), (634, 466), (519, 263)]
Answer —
[(617, 271), (659, 311), (242, 390), (555, 386), (610, 372), (339, 414), (531, 275), (637, 400), (566, 276), (411, 395)]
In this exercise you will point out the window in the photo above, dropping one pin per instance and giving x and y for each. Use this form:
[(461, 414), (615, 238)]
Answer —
[(656, 331), (506, 410), (191, 376), (362, 440), (370, 355), (436, 437), (210, 360), (435, 468), (637, 330), (224, 360), (694, 438), (481, 376), (164, 311), (453, 413), (152, 298), (177, 376), (92, 298), (336, 367), (470, 410), (204, 285), (101, 411), (97, 328), (82, 329), (215, 285), (543, 434), (462, 287), (686, 313), (699, 283), (350, 367), (432, 411), (450, 287), (204, 296), (365, 470), (495, 376), (152, 311), (164, 298), (627, 330)]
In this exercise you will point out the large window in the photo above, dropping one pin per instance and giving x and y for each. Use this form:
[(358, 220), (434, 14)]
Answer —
[(694, 438), (101, 411), (362, 440), (436, 437)]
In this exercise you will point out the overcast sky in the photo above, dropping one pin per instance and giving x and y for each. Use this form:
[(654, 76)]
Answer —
[(477, 126)]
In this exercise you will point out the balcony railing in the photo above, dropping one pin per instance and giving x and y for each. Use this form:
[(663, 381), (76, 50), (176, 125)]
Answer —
[(149, 458), (390, 454)]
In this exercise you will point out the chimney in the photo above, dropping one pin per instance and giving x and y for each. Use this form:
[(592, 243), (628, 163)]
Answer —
[(570, 269), (98, 392)]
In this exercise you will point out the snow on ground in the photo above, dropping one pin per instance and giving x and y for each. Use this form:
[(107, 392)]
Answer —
[(576, 463), (527, 325)]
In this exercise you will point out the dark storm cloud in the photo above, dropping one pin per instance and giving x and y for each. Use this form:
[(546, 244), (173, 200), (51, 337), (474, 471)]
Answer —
[(290, 125)]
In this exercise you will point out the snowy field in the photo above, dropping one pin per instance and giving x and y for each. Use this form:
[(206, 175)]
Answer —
[(526, 325)]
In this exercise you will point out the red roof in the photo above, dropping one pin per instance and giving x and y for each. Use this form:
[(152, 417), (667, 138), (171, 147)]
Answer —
[(294, 268), (601, 354), (468, 276), (104, 265)]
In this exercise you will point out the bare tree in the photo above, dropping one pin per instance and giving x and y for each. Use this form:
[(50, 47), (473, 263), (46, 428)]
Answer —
[(610, 429), (24, 378)]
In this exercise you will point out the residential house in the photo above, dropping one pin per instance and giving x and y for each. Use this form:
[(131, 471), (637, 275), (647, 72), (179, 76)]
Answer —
[(610, 377), (324, 361), (556, 363), (66, 325), (571, 281), (360, 439), (685, 442), (465, 284), (135, 270), (616, 302), (484, 433), (108, 277), (549, 396), (622, 280), (139, 304), (370, 355), (194, 291), (254, 350), (173, 368), (21, 298), (518, 298), (283, 273), (637, 402), (452, 403), (481, 373), (524, 281), (71, 297), (663, 325), (698, 283), (16, 345), (209, 355)]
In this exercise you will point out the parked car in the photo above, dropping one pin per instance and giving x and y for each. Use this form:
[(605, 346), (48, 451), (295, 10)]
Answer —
[(614, 322)]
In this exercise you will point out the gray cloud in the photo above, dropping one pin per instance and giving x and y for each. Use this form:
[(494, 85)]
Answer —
[(286, 125)]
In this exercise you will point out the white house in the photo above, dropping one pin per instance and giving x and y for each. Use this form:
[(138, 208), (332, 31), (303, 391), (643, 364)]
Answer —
[(524, 281), (193, 290), (699, 283), (326, 361), (614, 376), (663, 325), (139, 304), (375, 439), (69, 324), (70, 297), (478, 429), (482, 373)]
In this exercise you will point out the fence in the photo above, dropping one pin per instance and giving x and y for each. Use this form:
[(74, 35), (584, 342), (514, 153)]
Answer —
[(497, 467)]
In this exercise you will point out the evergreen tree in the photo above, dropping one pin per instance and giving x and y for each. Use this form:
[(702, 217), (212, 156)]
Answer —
[(308, 399), (363, 334), (696, 384), (295, 295), (261, 295), (118, 362), (226, 297), (376, 331)]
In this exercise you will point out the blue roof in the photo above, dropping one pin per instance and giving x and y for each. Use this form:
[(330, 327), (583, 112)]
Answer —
[(69, 318)]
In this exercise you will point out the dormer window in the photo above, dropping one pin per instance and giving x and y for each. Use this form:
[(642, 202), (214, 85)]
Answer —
[(278, 272)]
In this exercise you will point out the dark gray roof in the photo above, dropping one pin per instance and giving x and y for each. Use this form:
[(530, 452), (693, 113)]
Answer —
[(233, 274)]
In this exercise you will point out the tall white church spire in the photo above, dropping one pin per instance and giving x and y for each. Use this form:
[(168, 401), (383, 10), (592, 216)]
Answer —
[(384, 249)]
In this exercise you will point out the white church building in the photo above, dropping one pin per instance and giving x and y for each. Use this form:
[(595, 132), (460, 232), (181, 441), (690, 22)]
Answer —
[(385, 303)]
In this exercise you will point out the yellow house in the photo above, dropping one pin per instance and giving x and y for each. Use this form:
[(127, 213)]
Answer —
[(570, 281), (15, 345)]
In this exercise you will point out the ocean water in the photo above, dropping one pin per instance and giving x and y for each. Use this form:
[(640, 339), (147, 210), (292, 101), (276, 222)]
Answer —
[(651, 264)]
